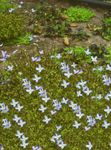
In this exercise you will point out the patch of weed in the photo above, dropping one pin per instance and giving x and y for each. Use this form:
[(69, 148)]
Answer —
[(78, 14)]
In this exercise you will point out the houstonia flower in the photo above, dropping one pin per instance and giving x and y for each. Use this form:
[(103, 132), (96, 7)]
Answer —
[(91, 121), (1, 147), (76, 125), (64, 67), (87, 51), (55, 137), (16, 118), (23, 138), (4, 56), (61, 144), (106, 124), (36, 78), (108, 110), (6, 123), (80, 115), (99, 116), (39, 68), (94, 59), (41, 52), (27, 86), (64, 101), (106, 80), (108, 67), (45, 98), (58, 128), (19, 121), (57, 105), (18, 107), (65, 84), (36, 148), (86, 90), (89, 145), (10, 68), (42, 108), (58, 56), (74, 65), (68, 74), (24, 144), (36, 59), (87, 128), (3, 108), (108, 96), (19, 134), (53, 112), (11, 10), (46, 119), (79, 94), (14, 103)]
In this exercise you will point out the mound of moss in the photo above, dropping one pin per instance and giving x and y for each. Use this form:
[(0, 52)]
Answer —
[(78, 14), (11, 26)]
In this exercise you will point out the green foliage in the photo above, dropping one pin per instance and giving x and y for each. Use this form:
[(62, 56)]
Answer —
[(24, 39), (5, 5), (78, 14), (11, 26), (77, 50), (107, 21), (50, 22), (108, 55), (106, 30)]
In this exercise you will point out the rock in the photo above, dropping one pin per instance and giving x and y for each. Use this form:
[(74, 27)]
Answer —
[(66, 41), (73, 25)]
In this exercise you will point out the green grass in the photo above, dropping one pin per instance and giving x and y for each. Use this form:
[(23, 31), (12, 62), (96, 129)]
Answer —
[(79, 14), (35, 129), (5, 5), (21, 40)]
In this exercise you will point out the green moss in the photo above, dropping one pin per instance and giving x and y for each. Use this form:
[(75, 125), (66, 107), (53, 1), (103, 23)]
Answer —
[(11, 26), (79, 14)]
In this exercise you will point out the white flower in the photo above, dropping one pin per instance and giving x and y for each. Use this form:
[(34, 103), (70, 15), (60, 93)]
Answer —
[(65, 84), (106, 124), (42, 108), (46, 119), (107, 110), (89, 145), (76, 124), (94, 59)]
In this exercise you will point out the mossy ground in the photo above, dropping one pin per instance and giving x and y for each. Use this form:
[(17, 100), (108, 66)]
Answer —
[(35, 129), (11, 85)]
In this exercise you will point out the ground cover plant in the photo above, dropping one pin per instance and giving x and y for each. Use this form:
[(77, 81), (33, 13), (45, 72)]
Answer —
[(79, 14), (50, 22), (56, 100), (12, 25), (6, 5), (107, 28)]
